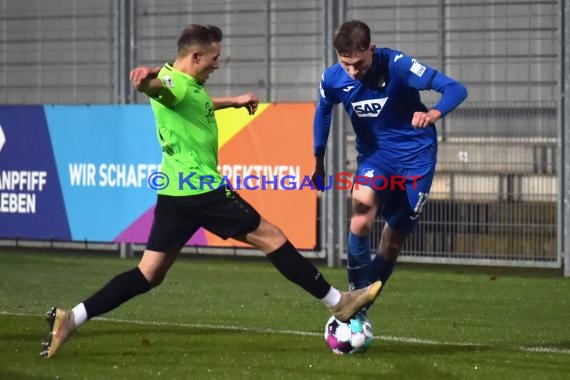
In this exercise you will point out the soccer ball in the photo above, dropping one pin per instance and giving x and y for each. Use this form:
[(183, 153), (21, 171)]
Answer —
[(348, 337)]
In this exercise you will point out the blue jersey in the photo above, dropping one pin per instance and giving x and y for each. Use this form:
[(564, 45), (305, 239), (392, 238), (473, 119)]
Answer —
[(382, 104)]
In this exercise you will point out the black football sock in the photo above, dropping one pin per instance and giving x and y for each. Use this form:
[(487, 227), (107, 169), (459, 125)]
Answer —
[(120, 289), (381, 269), (299, 270)]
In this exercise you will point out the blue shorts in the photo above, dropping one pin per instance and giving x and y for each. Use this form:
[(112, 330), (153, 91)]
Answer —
[(402, 192)]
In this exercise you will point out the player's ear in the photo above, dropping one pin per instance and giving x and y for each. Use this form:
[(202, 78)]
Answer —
[(372, 47)]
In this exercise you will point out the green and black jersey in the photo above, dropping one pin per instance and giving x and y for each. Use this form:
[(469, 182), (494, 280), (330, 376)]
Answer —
[(188, 134)]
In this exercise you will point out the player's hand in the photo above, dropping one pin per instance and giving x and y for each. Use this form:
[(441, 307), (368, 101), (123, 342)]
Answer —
[(249, 101), (139, 74), (318, 176), (424, 119)]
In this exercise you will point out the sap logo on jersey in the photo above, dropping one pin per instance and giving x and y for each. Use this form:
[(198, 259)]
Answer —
[(369, 108)]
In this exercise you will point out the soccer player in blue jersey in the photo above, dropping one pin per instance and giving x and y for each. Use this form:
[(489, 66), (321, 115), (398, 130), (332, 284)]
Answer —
[(396, 139)]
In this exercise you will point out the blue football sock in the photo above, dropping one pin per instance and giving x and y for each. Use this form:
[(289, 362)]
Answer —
[(381, 269), (358, 261)]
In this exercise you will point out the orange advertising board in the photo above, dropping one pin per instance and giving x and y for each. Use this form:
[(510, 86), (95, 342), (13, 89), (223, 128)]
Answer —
[(268, 159)]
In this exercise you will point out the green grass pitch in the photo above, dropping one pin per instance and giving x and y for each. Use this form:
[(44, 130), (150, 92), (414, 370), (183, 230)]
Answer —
[(217, 318)]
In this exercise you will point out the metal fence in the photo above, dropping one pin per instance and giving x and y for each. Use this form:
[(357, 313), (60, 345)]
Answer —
[(496, 197)]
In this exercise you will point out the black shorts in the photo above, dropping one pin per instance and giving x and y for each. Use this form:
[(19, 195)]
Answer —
[(221, 211)]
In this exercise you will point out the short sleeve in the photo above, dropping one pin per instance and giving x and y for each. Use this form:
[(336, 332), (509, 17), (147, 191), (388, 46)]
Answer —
[(173, 88)]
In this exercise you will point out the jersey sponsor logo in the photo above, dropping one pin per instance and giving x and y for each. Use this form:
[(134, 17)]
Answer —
[(396, 58), (209, 111), (347, 88), (417, 68), (168, 81), (2, 139), (369, 173), (369, 108)]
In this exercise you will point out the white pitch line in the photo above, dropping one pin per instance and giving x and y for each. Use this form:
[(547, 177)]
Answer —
[(397, 339), (548, 350)]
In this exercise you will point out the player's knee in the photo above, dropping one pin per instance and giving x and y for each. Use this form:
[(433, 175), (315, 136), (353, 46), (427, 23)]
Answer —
[(360, 208), (270, 231), (267, 237), (277, 237), (361, 224)]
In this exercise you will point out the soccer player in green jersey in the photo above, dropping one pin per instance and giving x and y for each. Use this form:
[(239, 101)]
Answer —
[(188, 134)]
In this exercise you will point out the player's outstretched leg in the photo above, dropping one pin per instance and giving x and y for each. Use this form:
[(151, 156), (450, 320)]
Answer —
[(61, 326), (352, 302)]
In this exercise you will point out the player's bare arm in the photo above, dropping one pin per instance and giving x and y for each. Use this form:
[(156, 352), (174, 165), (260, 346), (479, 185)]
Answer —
[(249, 101), (144, 79)]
